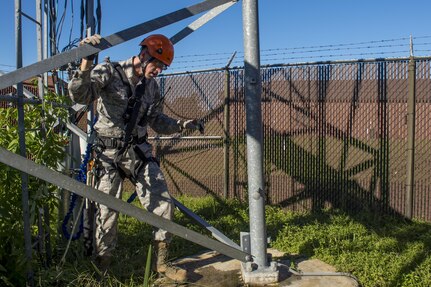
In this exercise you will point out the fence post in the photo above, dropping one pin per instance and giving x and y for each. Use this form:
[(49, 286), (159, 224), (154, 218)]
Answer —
[(411, 121), (226, 142)]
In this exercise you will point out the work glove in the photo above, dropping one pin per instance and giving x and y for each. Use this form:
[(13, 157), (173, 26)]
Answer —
[(192, 125), (91, 40)]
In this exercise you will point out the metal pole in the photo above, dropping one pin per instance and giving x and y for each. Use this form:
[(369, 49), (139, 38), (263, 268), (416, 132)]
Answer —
[(45, 37), (39, 44), (21, 132), (90, 208), (253, 86), (90, 31), (411, 102), (226, 144), (44, 237)]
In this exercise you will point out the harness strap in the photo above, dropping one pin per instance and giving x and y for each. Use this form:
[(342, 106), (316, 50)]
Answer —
[(107, 142), (123, 77)]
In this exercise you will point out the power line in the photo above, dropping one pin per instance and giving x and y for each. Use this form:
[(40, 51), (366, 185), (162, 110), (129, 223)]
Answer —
[(5, 65)]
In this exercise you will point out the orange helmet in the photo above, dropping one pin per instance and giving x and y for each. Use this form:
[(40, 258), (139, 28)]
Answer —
[(159, 47)]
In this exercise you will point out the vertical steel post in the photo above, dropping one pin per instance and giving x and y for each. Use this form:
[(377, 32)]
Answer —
[(89, 9), (89, 211), (21, 132), (45, 37), (43, 212), (253, 87), (90, 31), (226, 144), (411, 122), (39, 44)]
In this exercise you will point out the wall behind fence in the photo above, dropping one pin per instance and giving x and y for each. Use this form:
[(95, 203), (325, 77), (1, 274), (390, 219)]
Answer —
[(335, 135)]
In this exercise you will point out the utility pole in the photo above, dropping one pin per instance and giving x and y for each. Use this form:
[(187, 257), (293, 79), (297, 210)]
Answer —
[(260, 270)]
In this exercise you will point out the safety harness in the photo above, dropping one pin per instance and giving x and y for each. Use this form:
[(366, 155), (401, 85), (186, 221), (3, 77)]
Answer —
[(130, 143), (130, 118)]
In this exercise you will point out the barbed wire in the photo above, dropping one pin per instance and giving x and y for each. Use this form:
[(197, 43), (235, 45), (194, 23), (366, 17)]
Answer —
[(371, 49), (306, 47), (278, 55)]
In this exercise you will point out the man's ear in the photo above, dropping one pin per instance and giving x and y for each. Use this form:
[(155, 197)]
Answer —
[(143, 53)]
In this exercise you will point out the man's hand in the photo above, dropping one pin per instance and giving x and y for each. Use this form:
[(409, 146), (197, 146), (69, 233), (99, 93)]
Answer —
[(91, 40), (192, 125)]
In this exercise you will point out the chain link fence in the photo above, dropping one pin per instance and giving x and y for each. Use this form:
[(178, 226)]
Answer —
[(335, 135)]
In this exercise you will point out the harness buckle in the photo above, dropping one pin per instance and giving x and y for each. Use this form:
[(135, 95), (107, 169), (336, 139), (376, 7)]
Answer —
[(110, 142)]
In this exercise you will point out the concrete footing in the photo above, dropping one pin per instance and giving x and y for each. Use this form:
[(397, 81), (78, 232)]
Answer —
[(259, 277), (211, 269)]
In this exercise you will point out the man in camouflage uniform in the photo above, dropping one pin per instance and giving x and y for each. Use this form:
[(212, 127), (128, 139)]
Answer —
[(116, 89)]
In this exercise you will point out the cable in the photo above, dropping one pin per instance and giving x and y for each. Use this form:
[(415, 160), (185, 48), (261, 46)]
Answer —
[(61, 22), (52, 30), (72, 17), (99, 17)]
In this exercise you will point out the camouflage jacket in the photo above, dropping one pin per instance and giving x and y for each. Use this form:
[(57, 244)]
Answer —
[(104, 84)]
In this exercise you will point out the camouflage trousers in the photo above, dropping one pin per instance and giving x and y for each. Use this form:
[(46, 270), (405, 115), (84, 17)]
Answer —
[(152, 192)]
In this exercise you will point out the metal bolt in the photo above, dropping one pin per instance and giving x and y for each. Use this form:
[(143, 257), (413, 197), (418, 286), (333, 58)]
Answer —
[(256, 195)]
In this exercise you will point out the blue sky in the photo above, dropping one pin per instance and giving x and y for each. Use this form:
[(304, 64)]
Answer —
[(290, 31)]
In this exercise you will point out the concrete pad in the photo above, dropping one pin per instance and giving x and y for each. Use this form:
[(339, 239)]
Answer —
[(313, 266), (211, 269)]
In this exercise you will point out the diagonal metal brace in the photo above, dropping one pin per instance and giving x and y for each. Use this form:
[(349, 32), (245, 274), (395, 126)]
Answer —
[(201, 21), (59, 60), (214, 231), (60, 180)]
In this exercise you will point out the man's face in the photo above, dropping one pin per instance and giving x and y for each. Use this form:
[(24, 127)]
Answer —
[(154, 68)]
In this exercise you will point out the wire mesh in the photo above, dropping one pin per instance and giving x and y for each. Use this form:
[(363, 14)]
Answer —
[(422, 198), (335, 135), (193, 163)]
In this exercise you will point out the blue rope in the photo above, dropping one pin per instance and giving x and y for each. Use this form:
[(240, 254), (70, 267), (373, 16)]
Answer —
[(82, 177)]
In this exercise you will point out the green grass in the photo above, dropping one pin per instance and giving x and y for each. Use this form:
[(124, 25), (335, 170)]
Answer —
[(379, 250)]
